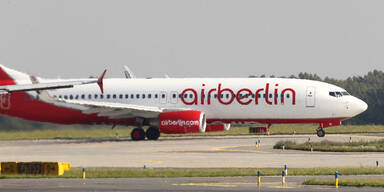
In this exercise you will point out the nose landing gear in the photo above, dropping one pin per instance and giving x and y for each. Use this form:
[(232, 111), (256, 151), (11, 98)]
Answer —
[(320, 132)]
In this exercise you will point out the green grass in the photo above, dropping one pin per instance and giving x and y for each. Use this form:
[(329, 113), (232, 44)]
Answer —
[(332, 146), (213, 172), (97, 132), (347, 182)]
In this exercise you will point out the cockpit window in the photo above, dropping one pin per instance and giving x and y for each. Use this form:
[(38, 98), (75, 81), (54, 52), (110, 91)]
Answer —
[(338, 93)]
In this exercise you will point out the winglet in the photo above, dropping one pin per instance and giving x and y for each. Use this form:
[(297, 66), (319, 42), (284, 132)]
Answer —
[(100, 81), (128, 73)]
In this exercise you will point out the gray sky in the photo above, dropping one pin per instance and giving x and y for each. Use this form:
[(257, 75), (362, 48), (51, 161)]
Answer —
[(218, 38)]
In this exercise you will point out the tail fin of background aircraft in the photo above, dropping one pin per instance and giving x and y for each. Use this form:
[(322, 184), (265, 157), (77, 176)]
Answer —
[(12, 77)]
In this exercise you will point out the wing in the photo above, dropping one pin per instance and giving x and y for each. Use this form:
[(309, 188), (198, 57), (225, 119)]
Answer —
[(117, 110), (46, 86)]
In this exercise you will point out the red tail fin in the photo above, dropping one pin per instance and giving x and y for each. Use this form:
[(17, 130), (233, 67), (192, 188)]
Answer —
[(12, 77), (5, 79)]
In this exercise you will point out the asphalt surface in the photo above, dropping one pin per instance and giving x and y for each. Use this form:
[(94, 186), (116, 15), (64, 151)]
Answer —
[(186, 152), (269, 184)]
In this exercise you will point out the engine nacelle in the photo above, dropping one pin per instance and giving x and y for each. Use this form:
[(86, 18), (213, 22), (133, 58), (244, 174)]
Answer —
[(182, 122), (217, 127)]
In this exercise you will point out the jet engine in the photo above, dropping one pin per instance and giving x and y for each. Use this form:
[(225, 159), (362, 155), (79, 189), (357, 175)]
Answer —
[(182, 122)]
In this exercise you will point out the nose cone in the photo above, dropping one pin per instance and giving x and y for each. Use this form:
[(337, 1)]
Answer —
[(357, 106)]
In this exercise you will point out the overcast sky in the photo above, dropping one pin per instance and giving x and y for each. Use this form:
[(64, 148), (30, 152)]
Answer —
[(218, 38)]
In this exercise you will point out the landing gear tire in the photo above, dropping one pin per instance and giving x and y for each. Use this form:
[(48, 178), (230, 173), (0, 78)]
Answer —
[(320, 132), (137, 134), (152, 133)]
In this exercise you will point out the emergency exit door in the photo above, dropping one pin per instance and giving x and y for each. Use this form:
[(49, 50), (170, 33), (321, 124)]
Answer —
[(310, 98)]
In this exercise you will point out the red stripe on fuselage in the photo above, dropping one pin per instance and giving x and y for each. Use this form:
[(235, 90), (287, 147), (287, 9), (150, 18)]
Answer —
[(37, 110)]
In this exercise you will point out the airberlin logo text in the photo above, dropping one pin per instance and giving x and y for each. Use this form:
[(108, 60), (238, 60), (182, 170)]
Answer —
[(180, 123), (244, 96)]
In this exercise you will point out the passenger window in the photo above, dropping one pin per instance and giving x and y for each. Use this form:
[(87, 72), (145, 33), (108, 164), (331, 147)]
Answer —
[(82, 96), (149, 96), (71, 97), (277, 95), (270, 95), (163, 96), (132, 96), (60, 96), (215, 96), (77, 97), (143, 96), (121, 96), (221, 95), (126, 96), (288, 96), (137, 96), (156, 96), (95, 96), (101, 96), (174, 95), (114, 96), (108, 96)]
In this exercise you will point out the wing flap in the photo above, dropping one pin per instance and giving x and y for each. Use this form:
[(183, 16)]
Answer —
[(116, 110)]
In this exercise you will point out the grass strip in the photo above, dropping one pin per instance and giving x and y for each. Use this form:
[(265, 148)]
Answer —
[(224, 172), (105, 132), (332, 146), (347, 182)]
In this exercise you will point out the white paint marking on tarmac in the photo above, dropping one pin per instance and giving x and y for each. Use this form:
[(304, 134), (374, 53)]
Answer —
[(357, 136), (230, 149)]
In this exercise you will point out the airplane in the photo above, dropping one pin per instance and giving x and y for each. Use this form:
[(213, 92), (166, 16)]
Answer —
[(176, 105)]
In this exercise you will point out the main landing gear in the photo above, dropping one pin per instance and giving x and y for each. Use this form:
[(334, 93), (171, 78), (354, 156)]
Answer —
[(138, 134), (320, 132)]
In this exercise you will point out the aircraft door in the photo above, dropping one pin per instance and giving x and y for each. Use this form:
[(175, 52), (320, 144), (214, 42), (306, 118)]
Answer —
[(163, 97), (310, 97), (174, 97)]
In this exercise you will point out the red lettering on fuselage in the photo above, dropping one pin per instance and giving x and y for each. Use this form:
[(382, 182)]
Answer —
[(243, 96), (194, 101)]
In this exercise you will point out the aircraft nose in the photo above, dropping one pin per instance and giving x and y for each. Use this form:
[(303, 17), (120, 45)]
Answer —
[(358, 106)]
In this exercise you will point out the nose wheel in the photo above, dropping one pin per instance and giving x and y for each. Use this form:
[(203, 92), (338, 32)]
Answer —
[(320, 132)]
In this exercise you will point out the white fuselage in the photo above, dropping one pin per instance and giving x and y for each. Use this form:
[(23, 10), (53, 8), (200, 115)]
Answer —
[(303, 99)]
